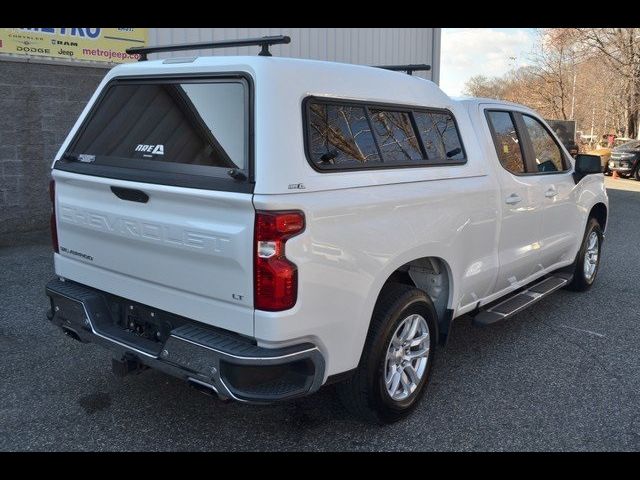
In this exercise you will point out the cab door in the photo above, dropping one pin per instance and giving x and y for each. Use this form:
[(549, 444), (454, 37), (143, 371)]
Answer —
[(521, 201), (548, 161)]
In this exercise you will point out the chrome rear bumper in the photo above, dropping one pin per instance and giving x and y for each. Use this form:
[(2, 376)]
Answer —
[(232, 366)]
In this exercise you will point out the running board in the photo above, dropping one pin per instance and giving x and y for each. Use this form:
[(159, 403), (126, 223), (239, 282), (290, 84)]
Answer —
[(517, 302)]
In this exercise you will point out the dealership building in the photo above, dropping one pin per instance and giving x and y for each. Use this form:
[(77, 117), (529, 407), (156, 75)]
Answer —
[(47, 75)]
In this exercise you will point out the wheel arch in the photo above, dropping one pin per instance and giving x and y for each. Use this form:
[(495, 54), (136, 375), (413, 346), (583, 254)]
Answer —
[(434, 276), (599, 212)]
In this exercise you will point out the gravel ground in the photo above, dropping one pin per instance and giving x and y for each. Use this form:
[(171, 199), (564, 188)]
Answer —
[(562, 375)]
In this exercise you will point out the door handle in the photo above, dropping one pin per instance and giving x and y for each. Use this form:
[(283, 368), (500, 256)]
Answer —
[(130, 194), (552, 192), (513, 199)]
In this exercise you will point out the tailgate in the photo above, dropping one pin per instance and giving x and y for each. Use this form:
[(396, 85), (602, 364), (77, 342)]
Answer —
[(146, 207)]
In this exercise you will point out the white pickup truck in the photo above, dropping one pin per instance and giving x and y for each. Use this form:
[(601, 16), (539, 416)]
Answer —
[(263, 226)]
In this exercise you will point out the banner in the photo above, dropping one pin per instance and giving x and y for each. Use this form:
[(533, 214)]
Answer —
[(94, 44)]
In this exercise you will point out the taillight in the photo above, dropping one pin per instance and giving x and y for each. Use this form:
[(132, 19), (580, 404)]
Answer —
[(275, 277), (54, 228)]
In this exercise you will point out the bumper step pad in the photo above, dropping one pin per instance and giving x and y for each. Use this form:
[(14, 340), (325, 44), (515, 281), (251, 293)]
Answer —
[(231, 344)]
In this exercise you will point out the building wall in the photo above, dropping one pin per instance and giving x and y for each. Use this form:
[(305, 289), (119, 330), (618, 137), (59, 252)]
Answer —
[(367, 46), (41, 99), (39, 104)]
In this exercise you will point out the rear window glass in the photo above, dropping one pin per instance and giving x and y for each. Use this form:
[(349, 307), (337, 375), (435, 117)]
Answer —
[(190, 123), (341, 137)]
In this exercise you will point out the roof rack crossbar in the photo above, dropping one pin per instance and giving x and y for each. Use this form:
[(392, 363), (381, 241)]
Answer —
[(418, 67), (263, 42)]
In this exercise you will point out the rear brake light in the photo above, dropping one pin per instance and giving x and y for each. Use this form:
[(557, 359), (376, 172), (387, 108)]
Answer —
[(54, 228), (275, 277)]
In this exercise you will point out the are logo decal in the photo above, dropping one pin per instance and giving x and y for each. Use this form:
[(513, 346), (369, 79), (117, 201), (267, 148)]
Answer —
[(152, 149)]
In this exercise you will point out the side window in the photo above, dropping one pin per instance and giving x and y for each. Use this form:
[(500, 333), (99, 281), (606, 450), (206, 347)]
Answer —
[(396, 136), (548, 155), (340, 137), (348, 135), (439, 136), (506, 140)]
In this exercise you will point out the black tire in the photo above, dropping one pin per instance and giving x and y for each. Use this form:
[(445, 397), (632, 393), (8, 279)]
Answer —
[(365, 393), (637, 172), (581, 281)]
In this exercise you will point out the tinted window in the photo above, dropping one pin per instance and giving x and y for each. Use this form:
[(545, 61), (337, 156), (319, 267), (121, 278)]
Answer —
[(396, 136), (548, 156), (350, 135), (186, 123), (564, 129), (507, 142), (439, 136), (341, 137)]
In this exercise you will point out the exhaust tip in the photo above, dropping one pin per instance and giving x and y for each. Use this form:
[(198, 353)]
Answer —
[(202, 387), (69, 332)]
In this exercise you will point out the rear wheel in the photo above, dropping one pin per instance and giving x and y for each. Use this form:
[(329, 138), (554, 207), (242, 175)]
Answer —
[(396, 361), (588, 261), (637, 172)]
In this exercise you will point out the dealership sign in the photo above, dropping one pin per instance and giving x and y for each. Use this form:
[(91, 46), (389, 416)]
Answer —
[(95, 44)]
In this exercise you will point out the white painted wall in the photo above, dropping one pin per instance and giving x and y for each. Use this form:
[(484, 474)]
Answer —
[(370, 46)]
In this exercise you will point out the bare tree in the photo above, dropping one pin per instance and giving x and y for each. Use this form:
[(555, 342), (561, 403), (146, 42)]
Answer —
[(555, 66), (481, 86), (588, 75), (618, 49)]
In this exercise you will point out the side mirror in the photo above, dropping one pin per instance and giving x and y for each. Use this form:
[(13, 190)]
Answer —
[(586, 165)]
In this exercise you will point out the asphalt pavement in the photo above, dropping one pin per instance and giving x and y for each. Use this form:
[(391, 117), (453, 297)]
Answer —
[(562, 375)]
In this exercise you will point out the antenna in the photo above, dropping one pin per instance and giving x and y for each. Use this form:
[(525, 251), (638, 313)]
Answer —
[(263, 42)]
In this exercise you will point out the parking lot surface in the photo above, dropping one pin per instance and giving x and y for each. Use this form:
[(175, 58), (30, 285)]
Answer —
[(562, 375)]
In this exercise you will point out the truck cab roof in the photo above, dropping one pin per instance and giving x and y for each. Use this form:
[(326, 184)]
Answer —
[(474, 101)]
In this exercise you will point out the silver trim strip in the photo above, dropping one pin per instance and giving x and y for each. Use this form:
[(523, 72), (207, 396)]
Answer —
[(229, 392), (279, 357), (204, 384)]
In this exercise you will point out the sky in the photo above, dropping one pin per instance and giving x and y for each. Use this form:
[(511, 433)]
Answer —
[(481, 51)]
